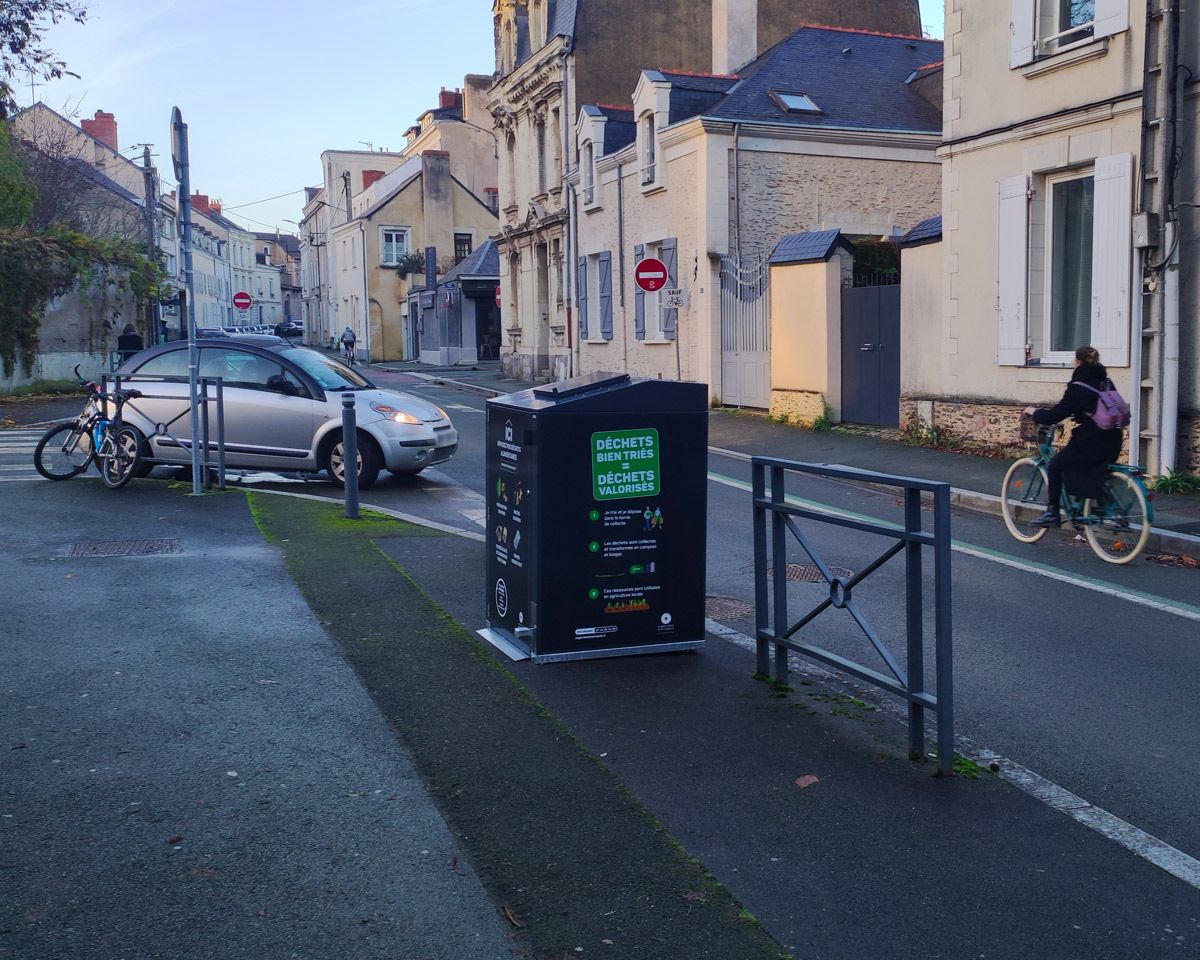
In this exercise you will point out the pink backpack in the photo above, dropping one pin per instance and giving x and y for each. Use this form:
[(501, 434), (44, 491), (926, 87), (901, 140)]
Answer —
[(1112, 411)]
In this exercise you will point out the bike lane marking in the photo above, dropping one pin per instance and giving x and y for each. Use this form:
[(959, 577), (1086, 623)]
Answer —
[(1107, 587)]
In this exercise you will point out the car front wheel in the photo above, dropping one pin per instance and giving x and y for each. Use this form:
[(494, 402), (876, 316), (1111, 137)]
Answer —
[(370, 462)]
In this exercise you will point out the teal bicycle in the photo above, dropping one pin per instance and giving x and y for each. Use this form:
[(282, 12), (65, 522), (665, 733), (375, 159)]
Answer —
[(1116, 525)]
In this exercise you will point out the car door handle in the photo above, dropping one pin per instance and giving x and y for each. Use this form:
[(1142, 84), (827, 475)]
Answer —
[(867, 346)]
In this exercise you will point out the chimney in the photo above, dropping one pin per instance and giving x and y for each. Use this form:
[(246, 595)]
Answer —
[(200, 202), (449, 98), (370, 176), (103, 127), (734, 34), (214, 206)]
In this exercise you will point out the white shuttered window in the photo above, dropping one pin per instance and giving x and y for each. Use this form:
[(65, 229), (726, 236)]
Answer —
[(1012, 253)]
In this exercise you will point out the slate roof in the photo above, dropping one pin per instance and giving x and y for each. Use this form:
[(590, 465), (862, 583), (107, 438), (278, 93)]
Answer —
[(856, 78), (694, 93), (84, 169), (927, 231), (812, 247), (484, 261), (561, 18), (619, 130)]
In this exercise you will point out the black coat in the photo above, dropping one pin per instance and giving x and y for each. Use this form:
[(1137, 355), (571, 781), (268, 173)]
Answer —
[(1090, 449)]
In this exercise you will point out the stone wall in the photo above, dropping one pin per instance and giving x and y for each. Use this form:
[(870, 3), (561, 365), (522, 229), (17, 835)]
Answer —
[(980, 423), (794, 193), (804, 407)]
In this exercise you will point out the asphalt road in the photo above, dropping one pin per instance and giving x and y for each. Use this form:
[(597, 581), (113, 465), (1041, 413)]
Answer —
[(1078, 670)]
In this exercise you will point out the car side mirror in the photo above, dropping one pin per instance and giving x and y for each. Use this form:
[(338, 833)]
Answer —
[(281, 384)]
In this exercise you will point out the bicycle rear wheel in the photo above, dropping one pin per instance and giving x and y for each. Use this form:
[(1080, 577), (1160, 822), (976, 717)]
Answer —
[(1116, 525), (1022, 497), (64, 451), (119, 453)]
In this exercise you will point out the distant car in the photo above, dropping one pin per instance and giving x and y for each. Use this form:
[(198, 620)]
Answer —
[(283, 410), (211, 332), (289, 328)]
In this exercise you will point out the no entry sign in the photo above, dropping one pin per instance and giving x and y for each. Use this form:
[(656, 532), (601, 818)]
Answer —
[(497, 294), (242, 300), (650, 274)]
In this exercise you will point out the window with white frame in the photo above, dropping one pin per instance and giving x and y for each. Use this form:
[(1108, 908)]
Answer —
[(1071, 208), (1064, 261), (1044, 28), (648, 149), (587, 170), (393, 244)]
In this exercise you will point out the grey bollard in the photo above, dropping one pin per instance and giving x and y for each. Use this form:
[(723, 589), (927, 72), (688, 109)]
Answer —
[(350, 454)]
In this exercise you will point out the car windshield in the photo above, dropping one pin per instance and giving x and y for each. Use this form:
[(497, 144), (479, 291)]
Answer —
[(327, 371)]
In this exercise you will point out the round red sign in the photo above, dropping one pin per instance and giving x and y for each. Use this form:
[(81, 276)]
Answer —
[(650, 274), (497, 294), (242, 300)]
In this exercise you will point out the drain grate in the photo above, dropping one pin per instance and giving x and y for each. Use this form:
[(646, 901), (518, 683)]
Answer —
[(808, 573), (726, 608), (124, 548)]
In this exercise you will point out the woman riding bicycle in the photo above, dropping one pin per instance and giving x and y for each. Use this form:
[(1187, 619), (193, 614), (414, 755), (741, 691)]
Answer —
[(1083, 461)]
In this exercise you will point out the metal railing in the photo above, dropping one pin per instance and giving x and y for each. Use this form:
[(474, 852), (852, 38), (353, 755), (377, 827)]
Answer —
[(208, 466), (772, 627)]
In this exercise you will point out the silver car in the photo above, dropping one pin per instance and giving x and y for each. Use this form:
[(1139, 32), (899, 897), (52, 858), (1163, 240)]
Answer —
[(283, 411)]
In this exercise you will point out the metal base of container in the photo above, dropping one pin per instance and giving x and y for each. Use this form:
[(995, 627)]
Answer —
[(515, 651)]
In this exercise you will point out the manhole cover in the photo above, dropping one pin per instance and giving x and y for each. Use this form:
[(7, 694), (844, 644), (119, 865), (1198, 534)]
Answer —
[(808, 573), (124, 548), (726, 608)]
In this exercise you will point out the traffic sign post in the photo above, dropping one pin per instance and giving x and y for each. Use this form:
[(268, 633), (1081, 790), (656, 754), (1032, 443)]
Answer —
[(650, 274), (179, 158), (242, 300)]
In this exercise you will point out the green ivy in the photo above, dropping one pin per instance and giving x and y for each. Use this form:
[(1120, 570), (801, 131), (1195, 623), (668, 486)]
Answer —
[(36, 268)]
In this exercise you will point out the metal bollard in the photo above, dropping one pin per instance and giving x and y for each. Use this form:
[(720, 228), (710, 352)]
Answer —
[(350, 455)]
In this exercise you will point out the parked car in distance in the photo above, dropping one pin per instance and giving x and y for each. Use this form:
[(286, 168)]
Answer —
[(283, 410), (289, 328), (210, 332)]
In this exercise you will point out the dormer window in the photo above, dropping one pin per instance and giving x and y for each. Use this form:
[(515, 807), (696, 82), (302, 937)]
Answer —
[(648, 157), (795, 102), (588, 173)]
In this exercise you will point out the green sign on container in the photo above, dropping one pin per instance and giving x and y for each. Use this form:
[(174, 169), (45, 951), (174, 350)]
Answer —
[(625, 464)]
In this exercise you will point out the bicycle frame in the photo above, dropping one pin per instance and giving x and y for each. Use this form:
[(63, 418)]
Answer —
[(1068, 502)]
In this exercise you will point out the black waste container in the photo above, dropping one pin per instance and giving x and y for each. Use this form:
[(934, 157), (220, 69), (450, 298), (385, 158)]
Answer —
[(596, 515)]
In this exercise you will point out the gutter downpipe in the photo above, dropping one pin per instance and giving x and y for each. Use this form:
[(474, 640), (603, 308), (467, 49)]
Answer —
[(1170, 371), (737, 198), (1137, 309), (621, 267)]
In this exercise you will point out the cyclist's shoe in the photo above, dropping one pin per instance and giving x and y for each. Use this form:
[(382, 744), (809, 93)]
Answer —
[(1051, 518)]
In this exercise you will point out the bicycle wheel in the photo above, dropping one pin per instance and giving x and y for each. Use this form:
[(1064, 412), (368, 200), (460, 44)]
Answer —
[(64, 451), (1022, 497), (1116, 525), (119, 453)]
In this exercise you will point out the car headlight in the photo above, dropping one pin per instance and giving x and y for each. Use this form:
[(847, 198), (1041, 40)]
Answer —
[(392, 413)]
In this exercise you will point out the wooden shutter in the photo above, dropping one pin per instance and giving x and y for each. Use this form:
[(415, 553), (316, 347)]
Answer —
[(1012, 273), (670, 256), (581, 297), (639, 296), (1022, 42), (1112, 257), (604, 265), (1112, 16)]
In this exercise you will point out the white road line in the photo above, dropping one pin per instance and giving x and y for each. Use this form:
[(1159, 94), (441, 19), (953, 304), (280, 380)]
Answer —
[(1106, 587), (1136, 841)]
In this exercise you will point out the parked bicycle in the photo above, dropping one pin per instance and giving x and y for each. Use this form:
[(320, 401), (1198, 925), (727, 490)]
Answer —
[(1116, 526), (97, 435)]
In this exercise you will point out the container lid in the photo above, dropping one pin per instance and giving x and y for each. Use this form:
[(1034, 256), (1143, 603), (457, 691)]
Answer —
[(577, 385)]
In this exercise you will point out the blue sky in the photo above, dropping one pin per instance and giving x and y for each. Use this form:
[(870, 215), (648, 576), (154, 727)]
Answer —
[(265, 87)]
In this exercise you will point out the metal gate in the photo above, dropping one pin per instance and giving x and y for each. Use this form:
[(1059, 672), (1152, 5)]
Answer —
[(871, 355), (745, 333)]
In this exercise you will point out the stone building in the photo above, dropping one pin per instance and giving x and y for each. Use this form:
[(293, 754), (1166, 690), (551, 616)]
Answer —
[(554, 55), (706, 173), (1069, 187), (360, 228)]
